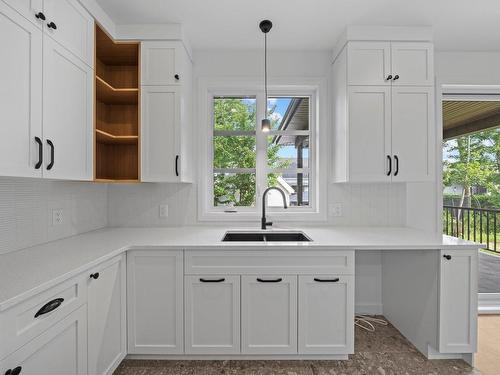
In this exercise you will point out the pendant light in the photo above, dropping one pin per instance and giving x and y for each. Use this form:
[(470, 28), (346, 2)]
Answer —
[(265, 26)]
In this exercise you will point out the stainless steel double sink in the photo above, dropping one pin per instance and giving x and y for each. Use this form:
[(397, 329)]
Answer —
[(265, 237)]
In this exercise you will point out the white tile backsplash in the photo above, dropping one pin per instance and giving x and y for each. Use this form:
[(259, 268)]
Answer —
[(26, 210)]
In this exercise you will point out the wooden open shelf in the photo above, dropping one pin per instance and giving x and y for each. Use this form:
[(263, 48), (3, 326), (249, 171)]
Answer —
[(111, 95), (117, 134)]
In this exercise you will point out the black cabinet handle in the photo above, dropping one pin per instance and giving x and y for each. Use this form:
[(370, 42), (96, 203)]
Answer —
[(94, 276), (447, 257), (389, 77), (52, 25), (327, 280), (51, 164), (177, 77), (397, 165), (15, 371), (177, 165), (396, 77), (40, 153), (278, 280), (390, 165), (49, 306), (212, 280), (40, 16)]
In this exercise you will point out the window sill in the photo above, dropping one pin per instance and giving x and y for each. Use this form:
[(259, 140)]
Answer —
[(299, 216)]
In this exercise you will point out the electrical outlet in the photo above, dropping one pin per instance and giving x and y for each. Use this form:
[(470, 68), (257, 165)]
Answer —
[(336, 209), (163, 210), (57, 217)]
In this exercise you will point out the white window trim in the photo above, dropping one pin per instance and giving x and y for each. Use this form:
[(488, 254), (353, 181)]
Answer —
[(316, 89)]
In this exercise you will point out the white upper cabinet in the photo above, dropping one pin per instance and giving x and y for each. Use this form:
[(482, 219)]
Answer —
[(107, 325), (68, 114), (412, 64), (269, 314), (166, 126), (32, 10), (369, 63), (384, 128), (412, 133), (163, 63), (390, 63), (21, 93), (458, 301), (71, 26), (369, 133)]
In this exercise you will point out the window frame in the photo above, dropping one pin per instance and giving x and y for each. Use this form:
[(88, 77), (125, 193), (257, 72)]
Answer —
[(311, 88)]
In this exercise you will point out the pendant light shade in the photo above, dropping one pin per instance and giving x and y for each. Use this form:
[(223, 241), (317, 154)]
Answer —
[(265, 26)]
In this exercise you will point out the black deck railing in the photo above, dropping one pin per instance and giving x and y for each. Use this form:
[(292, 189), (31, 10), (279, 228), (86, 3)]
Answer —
[(475, 224)]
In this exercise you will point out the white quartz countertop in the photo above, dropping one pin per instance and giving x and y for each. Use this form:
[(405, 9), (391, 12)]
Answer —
[(29, 271)]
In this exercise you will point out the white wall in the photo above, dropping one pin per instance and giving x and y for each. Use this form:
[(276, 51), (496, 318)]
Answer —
[(468, 68), (363, 204), (26, 210)]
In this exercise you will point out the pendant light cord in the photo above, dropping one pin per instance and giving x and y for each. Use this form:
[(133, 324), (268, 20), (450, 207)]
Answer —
[(265, 68)]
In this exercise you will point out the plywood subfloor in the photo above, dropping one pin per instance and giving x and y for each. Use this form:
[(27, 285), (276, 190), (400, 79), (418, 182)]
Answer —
[(487, 359)]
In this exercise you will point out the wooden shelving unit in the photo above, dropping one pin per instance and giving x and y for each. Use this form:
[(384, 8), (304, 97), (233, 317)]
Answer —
[(117, 133)]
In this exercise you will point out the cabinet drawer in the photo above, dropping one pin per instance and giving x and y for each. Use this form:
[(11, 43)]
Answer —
[(236, 262), (24, 321)]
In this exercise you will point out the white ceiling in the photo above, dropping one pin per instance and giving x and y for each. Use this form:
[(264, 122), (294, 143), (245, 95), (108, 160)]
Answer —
[(459, 25)]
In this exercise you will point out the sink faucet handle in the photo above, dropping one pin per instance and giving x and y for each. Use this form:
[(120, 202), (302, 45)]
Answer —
[(269, 223)]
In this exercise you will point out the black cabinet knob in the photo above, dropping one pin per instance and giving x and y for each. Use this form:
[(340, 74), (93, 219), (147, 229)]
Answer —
[(40, 16), (389, 77), (52, 25), (177, 77), (395, 77), (94, 276), (447, 257), (15, 371)]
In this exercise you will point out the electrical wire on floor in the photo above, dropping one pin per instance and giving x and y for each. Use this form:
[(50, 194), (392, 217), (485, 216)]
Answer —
[(368, 322)]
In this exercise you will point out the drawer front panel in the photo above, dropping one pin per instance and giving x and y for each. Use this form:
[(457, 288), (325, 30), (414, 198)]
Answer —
[(20, 324), (236, 262)]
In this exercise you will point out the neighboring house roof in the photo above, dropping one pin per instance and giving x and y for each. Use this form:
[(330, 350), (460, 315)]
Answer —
[(285, 186)]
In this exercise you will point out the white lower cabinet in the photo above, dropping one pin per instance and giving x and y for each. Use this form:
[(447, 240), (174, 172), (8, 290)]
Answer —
[(155, 302), (269, 314), (107, 317), (61, 350), (326, 314), (212, 314), (458, 301)]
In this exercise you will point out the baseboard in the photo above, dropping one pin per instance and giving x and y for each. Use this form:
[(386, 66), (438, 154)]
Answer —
[(489, 303), (291, 357), (368, 308)]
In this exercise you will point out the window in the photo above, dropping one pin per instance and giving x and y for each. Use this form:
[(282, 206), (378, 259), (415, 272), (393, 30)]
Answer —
[(242, 160)]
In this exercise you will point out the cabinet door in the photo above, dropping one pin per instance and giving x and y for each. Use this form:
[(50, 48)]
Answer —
[(269, 314), (212, 314), (413, 62), (162, 63), (74, 28), (326, 314), (62, 349), (413, 133), (21, 93), (369, 133), (160, 134), (67, 114), (369, 63), (106, 317), (155, 302), (29, 9), (458, 301)]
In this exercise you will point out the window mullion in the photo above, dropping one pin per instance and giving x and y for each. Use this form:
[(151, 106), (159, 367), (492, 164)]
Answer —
[(261, 159)]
